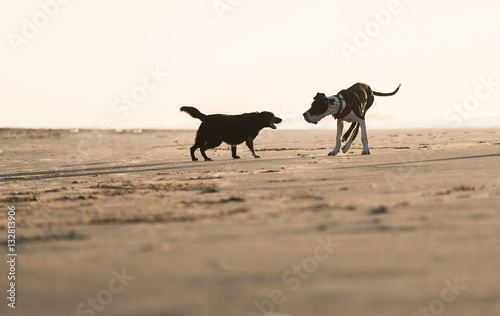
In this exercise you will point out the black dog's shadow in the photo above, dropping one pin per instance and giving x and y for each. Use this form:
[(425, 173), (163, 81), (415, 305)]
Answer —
[(133, 168), (137, 168)]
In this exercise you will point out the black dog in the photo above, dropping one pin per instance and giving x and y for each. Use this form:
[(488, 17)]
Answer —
[(232, 129)]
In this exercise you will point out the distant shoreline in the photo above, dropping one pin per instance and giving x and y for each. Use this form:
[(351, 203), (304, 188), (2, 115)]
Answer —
[(149, 130)]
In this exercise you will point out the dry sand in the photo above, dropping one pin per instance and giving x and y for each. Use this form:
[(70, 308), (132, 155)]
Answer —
[(226, 237)]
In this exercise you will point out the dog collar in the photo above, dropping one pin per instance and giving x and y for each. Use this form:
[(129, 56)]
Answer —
[(337, 100), (343, 113)]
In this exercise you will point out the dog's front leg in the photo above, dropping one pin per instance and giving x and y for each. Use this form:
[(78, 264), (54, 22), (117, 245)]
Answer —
[(349, 143), (249, 143), (340, 126), (233, 151), (364, 138)]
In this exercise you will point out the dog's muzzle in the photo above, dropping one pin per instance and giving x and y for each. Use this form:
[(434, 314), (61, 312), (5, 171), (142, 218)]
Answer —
[(308, 118), (276, 120)]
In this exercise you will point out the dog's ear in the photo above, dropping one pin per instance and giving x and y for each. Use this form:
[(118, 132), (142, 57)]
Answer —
[(319, 96)]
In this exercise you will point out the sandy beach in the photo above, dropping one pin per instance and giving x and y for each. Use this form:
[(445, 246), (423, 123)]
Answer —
[(124, 223)]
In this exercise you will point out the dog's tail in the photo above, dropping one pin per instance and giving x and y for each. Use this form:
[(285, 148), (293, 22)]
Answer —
[(380, 94), (193, 112)]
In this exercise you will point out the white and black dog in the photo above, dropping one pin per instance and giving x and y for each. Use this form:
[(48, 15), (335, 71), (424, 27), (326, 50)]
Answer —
[(348, 105)]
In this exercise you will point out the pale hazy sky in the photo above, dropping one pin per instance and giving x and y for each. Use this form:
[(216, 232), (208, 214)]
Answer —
[(82, 63)]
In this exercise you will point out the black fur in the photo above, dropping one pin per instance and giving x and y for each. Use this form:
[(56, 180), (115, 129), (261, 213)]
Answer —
[(366, 96), (319, 105), (231, 129)]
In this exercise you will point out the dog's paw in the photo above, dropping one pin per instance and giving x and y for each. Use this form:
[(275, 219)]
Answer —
[(236, 157), (333, 153), (344, 139), (256, 156), (208, 159), (345, 149), (366, 152), (195, 159)]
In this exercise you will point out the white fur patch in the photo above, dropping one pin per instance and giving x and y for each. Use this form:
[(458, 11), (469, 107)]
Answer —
[(332, 109), (338, 102)]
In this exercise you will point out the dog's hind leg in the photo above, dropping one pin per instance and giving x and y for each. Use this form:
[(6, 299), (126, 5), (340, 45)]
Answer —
[(364, 138), (340, 126), (192, 150), (233, 151), (249, 143), (349, 143), (210, 144), (197, 144), (202, 150), (346, 135)]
